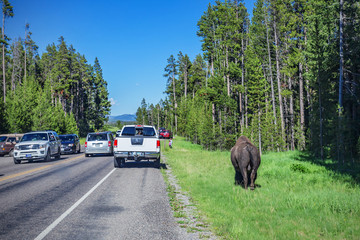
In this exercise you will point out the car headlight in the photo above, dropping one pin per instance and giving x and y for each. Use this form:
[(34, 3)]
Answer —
[(38, 146), (71, 144), (1, 146), (17, 147)]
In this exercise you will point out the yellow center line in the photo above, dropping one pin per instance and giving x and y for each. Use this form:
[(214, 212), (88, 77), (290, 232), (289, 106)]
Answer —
[(38, 169)]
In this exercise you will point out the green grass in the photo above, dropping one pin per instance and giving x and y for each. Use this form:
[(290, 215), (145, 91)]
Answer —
[(294, 199)]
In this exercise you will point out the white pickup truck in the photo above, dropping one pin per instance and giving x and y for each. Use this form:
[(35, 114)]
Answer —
[(136, 143)]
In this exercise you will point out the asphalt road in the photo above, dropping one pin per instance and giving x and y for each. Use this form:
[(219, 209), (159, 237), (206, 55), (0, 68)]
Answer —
[(84, 198)]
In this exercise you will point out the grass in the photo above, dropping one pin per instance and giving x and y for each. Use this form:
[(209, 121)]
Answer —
[(293, 200)]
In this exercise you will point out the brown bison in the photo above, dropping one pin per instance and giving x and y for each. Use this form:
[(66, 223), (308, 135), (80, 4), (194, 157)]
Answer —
[(245, 157)]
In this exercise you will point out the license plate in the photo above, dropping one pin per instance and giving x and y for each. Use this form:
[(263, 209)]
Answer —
[(28, 155)]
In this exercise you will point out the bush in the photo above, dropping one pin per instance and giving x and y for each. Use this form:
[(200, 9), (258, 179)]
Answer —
[(297, 167)]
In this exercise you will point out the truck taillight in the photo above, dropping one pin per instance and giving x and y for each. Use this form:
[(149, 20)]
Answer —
[(115, 143), (157, 143), (109, 143), (85, 144)]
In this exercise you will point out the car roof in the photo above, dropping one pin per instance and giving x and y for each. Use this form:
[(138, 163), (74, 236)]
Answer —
[(72, 134), (41, 131), (12, 135), (138, 126), (99, 132)]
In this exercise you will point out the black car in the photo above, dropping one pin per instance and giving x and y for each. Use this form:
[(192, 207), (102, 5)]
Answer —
[(70, 143)]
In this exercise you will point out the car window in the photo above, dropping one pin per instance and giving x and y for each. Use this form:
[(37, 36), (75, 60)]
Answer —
[(149, 131), (35, 137), (66, 138), (11, 139), (128, 131), (52, 138), (3, 139), (97, 137)]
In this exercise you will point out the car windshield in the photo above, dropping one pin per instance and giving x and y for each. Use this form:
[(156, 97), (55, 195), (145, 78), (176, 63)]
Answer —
[(3, 138), (97, 137), (35, 137), (65, 138)]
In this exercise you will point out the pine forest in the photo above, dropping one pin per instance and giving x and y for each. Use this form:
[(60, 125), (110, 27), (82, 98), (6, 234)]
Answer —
[(58, 90), (288, 78)]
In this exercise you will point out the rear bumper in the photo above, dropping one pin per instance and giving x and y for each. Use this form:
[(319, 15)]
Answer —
[(137, 156), (98, 150)]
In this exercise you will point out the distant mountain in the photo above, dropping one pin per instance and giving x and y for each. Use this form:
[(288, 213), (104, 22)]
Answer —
[(123, 118)]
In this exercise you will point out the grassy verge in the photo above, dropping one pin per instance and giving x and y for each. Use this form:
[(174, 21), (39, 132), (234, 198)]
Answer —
[(294, 199)]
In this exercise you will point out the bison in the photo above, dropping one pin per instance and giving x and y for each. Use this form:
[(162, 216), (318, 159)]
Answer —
[(245, 157)]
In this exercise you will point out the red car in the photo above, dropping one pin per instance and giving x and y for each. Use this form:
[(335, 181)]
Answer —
[(166, 134)]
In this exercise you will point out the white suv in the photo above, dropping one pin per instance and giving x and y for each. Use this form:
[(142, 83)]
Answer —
[(38, 145)]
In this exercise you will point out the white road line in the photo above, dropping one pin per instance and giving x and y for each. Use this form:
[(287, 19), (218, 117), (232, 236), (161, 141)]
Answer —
[(64, 215)]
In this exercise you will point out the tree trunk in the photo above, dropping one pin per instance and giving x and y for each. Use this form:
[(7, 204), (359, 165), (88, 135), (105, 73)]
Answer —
[(241, 100), (340, 110), (3, 58), (185, 79), (227, 72), (25, 53), (259, 126), (270, 72), (302, 110), (291, 113), (278, 78), (175, 103)]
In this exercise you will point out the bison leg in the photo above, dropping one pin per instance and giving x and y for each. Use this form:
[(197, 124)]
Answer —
[(252, 179), (245, 177), (237, 177)]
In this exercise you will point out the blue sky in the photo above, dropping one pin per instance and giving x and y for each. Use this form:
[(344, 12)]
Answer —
[(131, 39)]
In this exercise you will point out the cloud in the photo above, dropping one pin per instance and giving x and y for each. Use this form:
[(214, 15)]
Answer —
[(112, 101)]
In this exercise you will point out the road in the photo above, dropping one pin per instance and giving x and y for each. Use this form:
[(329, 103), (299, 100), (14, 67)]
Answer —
[(78, 197)]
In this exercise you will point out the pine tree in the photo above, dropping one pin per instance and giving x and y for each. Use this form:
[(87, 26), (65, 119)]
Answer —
[(7, 11), (171, 71)]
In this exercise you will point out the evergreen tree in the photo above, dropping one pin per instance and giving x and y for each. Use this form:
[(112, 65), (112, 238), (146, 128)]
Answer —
[(7, 11)]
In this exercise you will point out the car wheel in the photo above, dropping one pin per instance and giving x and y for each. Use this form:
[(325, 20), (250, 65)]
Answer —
[(47, 158), (119, 162), (11, 153), (58, 154), (17, 161), (116, 162), (87, 155), (157, 163), (79, 151), (122, 162)]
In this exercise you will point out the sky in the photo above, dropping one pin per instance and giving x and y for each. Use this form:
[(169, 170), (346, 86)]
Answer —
[(131, 39)]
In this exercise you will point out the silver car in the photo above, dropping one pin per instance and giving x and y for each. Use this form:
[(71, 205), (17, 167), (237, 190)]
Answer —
[(99, 143), (37, 145)]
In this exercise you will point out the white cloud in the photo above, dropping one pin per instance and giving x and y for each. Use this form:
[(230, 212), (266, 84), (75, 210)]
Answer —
[(112, 101)]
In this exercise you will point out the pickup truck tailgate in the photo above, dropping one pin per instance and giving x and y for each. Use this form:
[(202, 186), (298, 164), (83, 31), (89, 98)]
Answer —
[(136, 144)]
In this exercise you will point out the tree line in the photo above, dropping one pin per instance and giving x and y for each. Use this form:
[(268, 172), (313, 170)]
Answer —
[(58, 90), (288, 79)]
